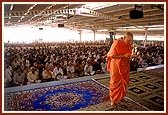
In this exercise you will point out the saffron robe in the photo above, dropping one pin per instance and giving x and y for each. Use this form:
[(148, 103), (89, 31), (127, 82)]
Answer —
[(119, 69)]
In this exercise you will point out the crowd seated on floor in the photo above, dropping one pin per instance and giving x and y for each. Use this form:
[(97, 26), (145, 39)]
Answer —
[(150, 55), (29, 64)]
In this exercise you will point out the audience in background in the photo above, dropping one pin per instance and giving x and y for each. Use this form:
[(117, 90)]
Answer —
[(88, 69), (79, 68), (58, 61), (33, 76), (19, 77), (7, 75), (58, 72), (47, 74), (70, 70)]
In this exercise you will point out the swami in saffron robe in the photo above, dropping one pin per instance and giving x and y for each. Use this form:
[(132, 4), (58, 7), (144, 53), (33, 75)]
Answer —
[(119, 69)]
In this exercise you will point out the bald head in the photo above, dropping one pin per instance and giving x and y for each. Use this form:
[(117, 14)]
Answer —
[(128, 38), (129, 34)]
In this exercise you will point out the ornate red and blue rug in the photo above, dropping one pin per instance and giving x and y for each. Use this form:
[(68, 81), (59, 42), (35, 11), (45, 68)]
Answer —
[(65, 97)]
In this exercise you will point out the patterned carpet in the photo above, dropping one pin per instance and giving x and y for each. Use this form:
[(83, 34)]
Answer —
[(145, 93), (156, 72), (66, 97), (146, 88), (78, 96), (125, 105)]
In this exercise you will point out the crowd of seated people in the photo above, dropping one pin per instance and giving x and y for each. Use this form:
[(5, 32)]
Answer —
[(150, 55), (42, 63), (28, 65)]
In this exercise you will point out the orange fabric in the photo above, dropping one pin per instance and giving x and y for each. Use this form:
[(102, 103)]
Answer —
[(119, 70)]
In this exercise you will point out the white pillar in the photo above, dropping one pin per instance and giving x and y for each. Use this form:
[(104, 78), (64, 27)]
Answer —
[(94, 35), (146, 31), (80, 35)]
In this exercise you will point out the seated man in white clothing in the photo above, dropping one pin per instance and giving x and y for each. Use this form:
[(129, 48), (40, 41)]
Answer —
[(88, 69), (33, 76), (58, 72), (47, 74), (104, 66)]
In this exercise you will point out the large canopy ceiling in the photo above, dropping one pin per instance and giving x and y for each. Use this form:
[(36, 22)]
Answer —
[(93, 16)]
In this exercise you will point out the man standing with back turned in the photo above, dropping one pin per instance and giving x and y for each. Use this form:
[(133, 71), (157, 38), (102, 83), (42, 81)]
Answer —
[(119, 67)]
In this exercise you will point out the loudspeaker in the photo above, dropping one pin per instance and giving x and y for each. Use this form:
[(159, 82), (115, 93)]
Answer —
[(136, 14), (40, 28), (60, 25)]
